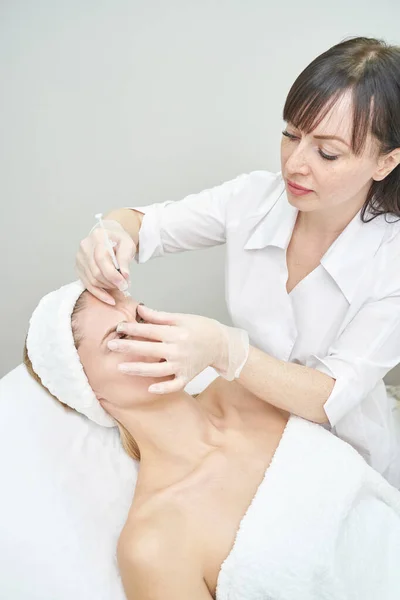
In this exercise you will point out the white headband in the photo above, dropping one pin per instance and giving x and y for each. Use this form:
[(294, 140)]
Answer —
[(51, 350)]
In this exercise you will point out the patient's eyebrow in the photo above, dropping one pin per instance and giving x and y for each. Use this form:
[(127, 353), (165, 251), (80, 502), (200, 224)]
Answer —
[(114, 327)]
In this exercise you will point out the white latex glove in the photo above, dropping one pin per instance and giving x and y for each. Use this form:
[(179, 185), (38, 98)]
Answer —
[(187, 343), (94, 265)]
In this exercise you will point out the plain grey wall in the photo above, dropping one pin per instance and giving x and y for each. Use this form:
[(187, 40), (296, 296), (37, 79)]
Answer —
[(108, 103)]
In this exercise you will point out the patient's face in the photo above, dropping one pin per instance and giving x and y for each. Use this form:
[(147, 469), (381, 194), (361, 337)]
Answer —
[(96, 325)]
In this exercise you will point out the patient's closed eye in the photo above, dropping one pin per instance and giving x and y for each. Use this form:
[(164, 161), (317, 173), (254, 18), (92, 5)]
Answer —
[(113, 341)]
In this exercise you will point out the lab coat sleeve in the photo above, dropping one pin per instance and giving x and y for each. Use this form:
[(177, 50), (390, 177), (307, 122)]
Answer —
[(366, 553), (197, 221), (365, 351)]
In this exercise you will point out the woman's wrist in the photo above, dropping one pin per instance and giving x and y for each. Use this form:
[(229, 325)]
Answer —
[(129, 219), (231, 351)]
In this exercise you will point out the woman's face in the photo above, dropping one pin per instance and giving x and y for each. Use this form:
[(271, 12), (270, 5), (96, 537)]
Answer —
[(96, 324), (340, 178)]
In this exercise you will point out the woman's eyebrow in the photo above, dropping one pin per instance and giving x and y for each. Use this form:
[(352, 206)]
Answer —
[(325, 137), (331, 137)]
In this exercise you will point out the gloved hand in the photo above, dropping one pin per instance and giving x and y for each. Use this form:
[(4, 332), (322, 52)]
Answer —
[(187, 343), (94, 265)]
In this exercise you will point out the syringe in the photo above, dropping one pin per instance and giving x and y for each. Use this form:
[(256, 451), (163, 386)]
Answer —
[(109, 246)]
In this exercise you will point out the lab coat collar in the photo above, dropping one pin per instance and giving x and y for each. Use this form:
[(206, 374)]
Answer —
[(350, 255), (275, 227), (345, 260)]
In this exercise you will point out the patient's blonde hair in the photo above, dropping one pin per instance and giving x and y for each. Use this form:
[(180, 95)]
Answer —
[(129, 444)]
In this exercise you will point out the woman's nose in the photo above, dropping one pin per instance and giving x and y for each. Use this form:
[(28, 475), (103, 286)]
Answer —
[(297, 162)]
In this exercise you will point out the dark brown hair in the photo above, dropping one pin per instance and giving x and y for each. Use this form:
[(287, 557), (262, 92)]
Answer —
[(370, 68)]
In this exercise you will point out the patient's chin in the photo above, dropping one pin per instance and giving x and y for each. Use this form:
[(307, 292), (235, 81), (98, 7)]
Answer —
[(129, 391)]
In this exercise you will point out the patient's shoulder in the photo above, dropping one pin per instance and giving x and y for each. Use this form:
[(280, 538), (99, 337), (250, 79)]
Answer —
[(158, 519), (151, 529), (144, 542), (156, 553)]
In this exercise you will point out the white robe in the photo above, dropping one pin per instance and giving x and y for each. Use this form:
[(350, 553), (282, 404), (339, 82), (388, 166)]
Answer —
[(322, 525)]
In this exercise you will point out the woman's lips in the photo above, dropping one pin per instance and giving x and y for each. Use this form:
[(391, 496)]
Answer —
[(297, 190)]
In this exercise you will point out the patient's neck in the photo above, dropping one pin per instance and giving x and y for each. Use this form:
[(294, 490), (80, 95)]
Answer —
[(174, 433)]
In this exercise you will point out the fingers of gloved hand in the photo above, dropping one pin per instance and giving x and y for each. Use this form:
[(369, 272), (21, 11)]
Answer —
[(104, 270), (90, 284), (96, 272), (142, 369), (99, 293), (157, 333), (145, 349), (168, 387), (87, 268), (158, 317), (94, 247), (125, 250), (94, 288)]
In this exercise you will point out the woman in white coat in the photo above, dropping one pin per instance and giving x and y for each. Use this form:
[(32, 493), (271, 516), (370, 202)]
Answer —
[(312, 260)]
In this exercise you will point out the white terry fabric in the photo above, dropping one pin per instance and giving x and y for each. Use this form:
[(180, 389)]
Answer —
[(53, 355), (66, 488), (342, 319), (323, 525)]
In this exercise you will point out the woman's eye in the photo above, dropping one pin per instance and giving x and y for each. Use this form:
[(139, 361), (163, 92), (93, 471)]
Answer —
[(328, 156), (289, 135), (321, 153)]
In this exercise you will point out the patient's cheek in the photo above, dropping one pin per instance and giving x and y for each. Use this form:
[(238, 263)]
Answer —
[(92, 366), (105, 379)]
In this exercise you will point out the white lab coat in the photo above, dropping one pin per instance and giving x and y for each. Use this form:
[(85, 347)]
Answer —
[(342, 319)]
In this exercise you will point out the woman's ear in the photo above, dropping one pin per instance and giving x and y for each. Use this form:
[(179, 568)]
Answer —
[(386, 164)]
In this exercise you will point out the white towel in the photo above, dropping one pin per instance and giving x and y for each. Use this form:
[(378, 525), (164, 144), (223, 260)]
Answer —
[(322, 525)]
